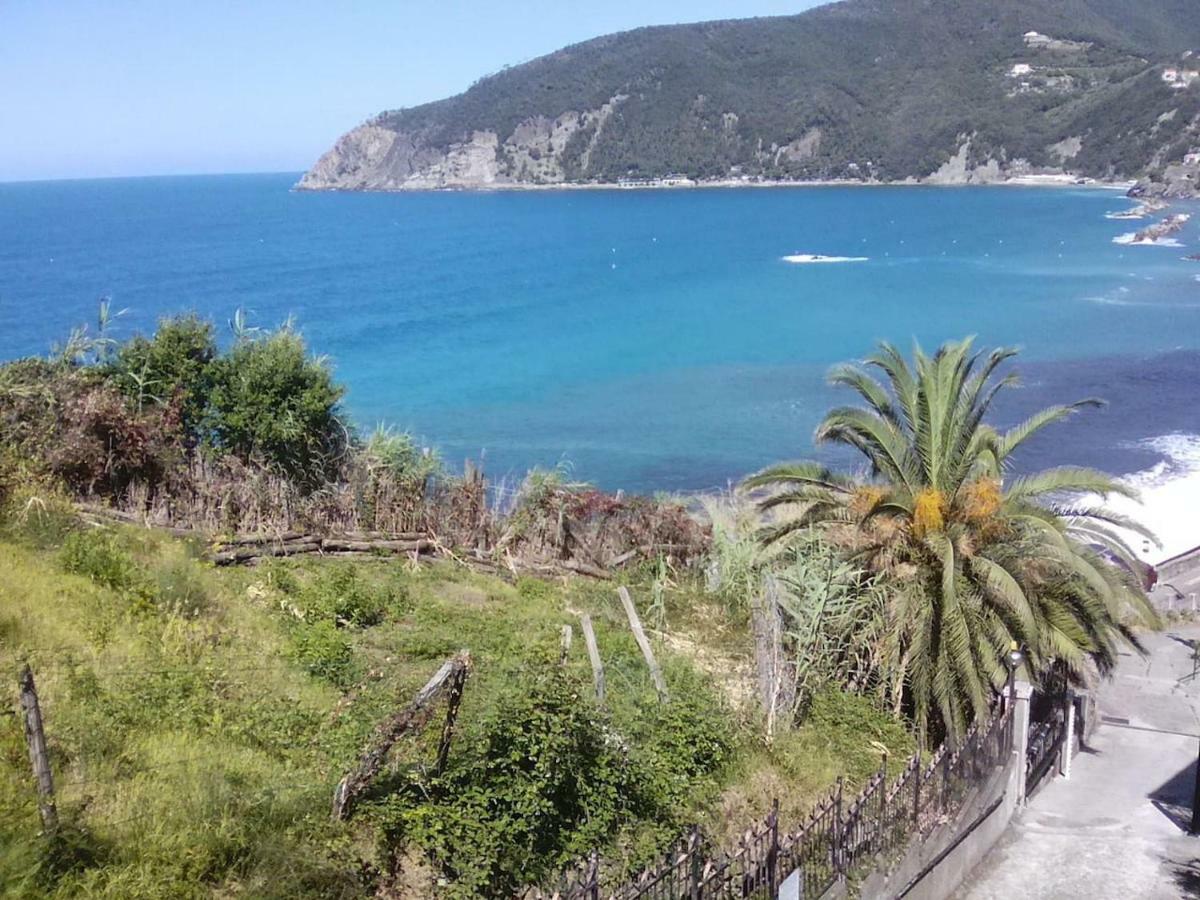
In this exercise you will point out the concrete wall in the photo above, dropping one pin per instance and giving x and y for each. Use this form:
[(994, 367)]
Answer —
[(1179, 565)]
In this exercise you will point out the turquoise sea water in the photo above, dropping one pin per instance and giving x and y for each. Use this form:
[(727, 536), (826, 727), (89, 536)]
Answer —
[(656, 340)]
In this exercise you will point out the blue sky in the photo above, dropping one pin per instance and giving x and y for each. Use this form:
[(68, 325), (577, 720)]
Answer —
[(135, 87)]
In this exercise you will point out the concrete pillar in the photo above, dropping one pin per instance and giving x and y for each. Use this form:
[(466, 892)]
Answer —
[(1068, 747), (1024, 690)]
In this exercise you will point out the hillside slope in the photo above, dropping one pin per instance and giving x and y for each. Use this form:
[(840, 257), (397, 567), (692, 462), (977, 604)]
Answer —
[(943, 90)]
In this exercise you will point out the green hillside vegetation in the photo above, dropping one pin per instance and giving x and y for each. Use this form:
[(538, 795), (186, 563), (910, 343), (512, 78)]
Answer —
[(855, 89), (199, 719)]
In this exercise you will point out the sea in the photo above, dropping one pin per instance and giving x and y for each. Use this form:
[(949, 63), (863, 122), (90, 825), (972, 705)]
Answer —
[(646, 340)]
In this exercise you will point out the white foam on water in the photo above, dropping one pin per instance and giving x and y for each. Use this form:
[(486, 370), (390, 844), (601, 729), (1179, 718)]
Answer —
[(1131, 240), (1170, 492), (816, 258)]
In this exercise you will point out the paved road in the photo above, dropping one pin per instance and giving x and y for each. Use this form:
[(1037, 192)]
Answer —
[(1117, 829)]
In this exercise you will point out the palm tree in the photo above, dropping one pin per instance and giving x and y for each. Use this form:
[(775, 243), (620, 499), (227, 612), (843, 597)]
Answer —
[(974, 558)]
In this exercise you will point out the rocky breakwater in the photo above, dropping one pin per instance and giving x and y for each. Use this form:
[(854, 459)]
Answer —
[(1160, 234)]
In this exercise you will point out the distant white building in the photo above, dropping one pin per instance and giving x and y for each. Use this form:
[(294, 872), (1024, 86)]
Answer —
[(1020, 69), (1179, 79)]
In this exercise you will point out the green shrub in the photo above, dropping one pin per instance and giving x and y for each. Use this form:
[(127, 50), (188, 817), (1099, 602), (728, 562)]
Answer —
[(35, 512), (542, 776), (325, 652), (338, 595), (540, 781), (272, 402), (175, 364), (397, 453), (535, 589), (856, 729), (96, 554)]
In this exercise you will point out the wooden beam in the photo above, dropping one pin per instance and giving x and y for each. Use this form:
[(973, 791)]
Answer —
[(589, 638), (567, 635), (643, 642), (39, 759)]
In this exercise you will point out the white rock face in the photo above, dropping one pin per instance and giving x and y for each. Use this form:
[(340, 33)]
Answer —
[(469, 164), (374, 158), (958, 170), (1068, 148), (804, 147), (353, 160)]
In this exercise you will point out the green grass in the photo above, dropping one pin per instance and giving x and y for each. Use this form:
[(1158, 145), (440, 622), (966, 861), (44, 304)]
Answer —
[(199, 718)]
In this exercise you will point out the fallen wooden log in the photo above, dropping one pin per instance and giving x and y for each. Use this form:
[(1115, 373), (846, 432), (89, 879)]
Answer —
[(282, 537), (582, 568), (227, 554), (127, 518), (380, 536), (245, 554), (392, 546), (110, 512)]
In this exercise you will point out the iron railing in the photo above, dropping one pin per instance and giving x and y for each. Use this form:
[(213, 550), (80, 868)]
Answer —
[(839, 839), (1045, 744)]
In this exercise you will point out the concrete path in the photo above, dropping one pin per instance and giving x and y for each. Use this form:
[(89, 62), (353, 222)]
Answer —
[(1117, 828)]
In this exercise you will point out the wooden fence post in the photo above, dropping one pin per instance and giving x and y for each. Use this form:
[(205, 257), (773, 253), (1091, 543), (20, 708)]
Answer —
[(639, 634), (567, 635), (593, 886), (945, 801), (414, 718), (453, 699), (589, 638), (35, 737)]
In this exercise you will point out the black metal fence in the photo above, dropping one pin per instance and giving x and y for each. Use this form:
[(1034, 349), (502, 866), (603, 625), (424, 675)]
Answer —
[(1047, 728), (841, 837), (1045, 745)]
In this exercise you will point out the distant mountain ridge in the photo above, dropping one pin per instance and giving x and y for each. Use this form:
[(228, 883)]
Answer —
[(951, 91)]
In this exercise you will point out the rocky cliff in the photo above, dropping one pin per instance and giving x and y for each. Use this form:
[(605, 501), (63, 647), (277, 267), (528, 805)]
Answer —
[(947, 91)]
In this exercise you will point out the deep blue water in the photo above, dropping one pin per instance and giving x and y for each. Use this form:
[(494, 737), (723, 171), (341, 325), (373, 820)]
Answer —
[(656, 340)]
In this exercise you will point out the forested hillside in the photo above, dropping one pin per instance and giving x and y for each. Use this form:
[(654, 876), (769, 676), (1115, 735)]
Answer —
[(864, 89)]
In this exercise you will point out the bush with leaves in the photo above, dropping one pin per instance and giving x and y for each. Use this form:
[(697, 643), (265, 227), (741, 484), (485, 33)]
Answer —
[(272, 402), (174, 364), (338, 595), (544, 776)]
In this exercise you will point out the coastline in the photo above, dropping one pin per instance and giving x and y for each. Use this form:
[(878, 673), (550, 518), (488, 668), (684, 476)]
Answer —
[(1026, 181)]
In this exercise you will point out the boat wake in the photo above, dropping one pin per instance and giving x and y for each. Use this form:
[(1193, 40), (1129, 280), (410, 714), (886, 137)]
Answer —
[(811, 258)]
